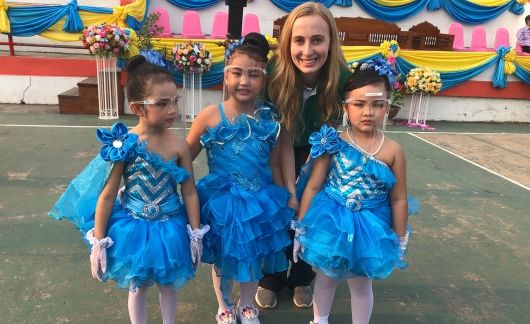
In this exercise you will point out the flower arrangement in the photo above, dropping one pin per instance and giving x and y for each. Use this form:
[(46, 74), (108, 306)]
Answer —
[(105, 40), (390, 50), (191, 57), (423, 79)]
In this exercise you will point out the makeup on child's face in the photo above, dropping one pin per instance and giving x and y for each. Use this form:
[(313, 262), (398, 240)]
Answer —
[(367, 106), (244, 78), (310, 44), (251, 73)]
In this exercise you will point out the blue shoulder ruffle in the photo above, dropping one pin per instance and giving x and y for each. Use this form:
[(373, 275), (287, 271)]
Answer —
[(263, 125), (325, 140), (117, 143)]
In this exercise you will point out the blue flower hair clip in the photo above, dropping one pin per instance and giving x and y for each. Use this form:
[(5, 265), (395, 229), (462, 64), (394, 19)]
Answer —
[(382, 67), (231, 46)]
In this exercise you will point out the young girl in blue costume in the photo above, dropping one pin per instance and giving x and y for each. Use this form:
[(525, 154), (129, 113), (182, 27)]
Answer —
[(141, 238), (247, 212), (353, 212)]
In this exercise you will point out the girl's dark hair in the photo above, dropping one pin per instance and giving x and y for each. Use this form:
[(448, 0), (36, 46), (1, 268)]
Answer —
[(142, 75), (254, 45), (364, 77)]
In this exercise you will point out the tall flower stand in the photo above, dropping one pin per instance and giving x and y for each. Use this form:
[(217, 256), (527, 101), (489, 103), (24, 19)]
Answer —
[(107, 87), (192, 95), (419, 106)]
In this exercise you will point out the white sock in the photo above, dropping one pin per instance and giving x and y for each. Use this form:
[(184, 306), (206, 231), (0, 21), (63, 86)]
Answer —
[(362, 299), (323, 294), (137, 305), (168, 304), (321, 320)]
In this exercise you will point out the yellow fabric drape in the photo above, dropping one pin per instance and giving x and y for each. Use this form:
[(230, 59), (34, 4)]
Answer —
[(133, 43), (356, 53), (447, 61), (523, 62), (393, 3), (134, 9), (5, 26), (490, 3), (484, 3)]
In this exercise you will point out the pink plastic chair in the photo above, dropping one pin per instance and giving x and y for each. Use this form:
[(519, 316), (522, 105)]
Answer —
[(250, 24), (191, 25), (502, 38), (219, 25), (478, 39), (457, 30), (163, 21)]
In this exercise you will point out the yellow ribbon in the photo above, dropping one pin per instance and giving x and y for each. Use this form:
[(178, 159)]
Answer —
[(484, 3), (5, 26), (509, 58), (136, 9), (133, 43)]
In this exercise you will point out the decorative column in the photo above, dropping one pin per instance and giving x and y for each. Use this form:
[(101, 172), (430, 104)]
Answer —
[(192, 95), (107, 87)]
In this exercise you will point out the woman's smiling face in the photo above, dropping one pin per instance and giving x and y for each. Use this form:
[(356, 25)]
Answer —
[(310, 45)]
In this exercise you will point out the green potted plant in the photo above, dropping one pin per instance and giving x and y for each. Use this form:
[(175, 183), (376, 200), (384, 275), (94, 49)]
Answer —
[(145, 40), (396, 102)]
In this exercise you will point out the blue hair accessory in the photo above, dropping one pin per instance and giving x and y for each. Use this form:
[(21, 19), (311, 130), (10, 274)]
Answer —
[(231, 46), (382, 67)]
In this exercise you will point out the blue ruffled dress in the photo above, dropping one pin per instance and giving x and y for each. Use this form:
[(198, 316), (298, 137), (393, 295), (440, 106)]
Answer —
[(246, 211), (148, 221), (348, 226)]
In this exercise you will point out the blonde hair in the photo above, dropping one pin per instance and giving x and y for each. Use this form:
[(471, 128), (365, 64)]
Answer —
[(283, 82)]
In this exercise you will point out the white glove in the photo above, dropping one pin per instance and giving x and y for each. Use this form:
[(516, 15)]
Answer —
[(98, 256), (297, 247), (403, 241), (196, 236)]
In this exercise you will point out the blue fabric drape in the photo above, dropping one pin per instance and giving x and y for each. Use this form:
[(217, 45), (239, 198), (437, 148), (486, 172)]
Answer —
[(471, 13), (343, 3), (522, 74), (499, 77), (31, 21), (449, 79), (392, 13), (516, 8), (289, 5), (193, 4)]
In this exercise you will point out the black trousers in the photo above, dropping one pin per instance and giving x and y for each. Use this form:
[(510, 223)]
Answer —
[(526, 49), (301, 273)]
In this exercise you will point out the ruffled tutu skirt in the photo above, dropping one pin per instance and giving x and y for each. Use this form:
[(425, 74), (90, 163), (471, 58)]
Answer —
[(343, 243), (145, 252), (148, 252), (248, 230)]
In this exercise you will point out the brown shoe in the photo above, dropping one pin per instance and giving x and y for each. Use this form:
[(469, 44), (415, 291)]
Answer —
[(303, 296), (265, 298)]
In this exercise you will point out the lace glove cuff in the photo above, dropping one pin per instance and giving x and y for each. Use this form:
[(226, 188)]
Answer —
[(297, 227), (104, 242), (196, 236), (98, 255), (198, 233)]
